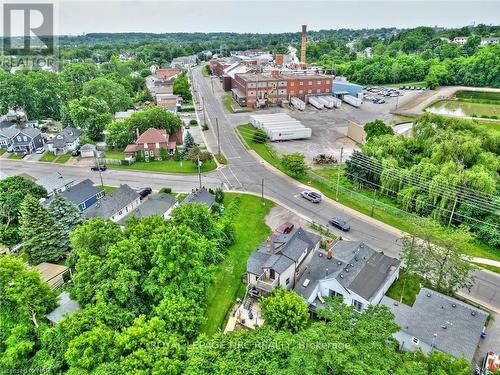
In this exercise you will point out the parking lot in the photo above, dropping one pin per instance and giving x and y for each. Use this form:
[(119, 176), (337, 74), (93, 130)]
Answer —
[(329, 126)]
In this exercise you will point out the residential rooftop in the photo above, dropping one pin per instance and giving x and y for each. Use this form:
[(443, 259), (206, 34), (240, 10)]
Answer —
[(54, 181), (456, 324), (66, 306), (111, 203), (157, 204), (200, 195)]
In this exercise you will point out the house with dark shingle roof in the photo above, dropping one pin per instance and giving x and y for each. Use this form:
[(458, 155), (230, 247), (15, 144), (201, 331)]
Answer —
[(21, 140), (83, 195), (281, 260), (66, 140), (437, 321), (350, 269), (160, 204), (116, 205), (200, 195), (55, 183)]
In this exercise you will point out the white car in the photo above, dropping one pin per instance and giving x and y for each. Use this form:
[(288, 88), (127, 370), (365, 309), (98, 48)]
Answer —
[(311, 196), (40, 150)]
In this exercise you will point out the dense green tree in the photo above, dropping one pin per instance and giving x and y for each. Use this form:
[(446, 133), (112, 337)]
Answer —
[(114, 94), (41, 237), (285, 310), (181, 87), (259, 136), (76, 74), (91, 114), (376, 128), (295, 164), (196, 155), (66, 217)]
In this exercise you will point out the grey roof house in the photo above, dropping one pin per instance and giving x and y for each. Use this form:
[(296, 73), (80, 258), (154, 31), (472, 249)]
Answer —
[(437, 321), (83, 194), (66, 306), (55, 183), (350, 269), (116, 205), (160, 204), (67, 140), (21, 140), (281, 260), (200, 195)]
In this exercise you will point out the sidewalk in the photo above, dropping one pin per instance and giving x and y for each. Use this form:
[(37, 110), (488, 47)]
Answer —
[(489, 262)]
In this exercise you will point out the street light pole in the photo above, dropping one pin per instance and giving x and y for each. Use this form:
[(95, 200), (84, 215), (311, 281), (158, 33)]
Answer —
[(199, 169), (218, 135), (98, 167)]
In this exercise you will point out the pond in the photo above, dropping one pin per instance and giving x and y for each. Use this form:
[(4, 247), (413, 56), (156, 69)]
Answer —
[(464, 109)]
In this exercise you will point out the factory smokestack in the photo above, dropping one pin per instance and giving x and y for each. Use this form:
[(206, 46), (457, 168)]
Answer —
[(303, 42)]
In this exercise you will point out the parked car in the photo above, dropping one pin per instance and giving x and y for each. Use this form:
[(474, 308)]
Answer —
[(101, 168), (285, 228), (340, 223), (40, 150), (76, 153), (144, 192), (311, 196)]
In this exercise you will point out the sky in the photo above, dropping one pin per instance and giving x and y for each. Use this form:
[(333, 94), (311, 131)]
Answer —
[(77, 17)]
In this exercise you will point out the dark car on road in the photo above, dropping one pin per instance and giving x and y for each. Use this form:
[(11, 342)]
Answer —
[(311, 196), (285, 228), (101, 168), (75, 153), (339, 223), (144, 192)]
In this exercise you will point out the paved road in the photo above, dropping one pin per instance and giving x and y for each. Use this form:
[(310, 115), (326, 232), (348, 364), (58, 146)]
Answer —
[(245, 172)]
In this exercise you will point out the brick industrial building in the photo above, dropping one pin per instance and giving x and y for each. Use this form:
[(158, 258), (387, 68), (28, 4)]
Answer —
[(257, 89)]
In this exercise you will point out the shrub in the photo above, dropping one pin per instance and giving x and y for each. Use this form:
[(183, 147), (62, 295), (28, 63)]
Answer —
[(166, 190), (193, 122), (177, 154), (204, 127), (259, 136), (295, 164)]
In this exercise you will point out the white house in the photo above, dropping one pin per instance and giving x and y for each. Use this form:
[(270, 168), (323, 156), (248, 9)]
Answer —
[(486, 41), (116, 205), (67, 140), (352, 270), (281, 260), (460, 40)]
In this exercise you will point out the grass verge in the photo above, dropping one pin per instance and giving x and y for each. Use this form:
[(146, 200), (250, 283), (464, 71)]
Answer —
[(231, 105), (48, 157), (2, 151), (108, 189), (250, 230), (171, 166), (488, 267), (324, 179), (63, 158), (16, 156), (115, 155)]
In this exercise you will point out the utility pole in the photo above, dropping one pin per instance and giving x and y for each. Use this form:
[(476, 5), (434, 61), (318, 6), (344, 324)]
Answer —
[(373, 202), (98, 167), (203, 109), (218, 134), (453, 209), (199, 169), (212, 82), (338, 174)]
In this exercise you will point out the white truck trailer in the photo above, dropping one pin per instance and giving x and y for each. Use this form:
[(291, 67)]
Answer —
[(352, 100), (298, 104), (315, 102), (337, 102), (326, 101), (289, 134)]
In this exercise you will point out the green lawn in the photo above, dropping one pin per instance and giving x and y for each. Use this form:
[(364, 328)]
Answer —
[(171, 166), (324, 179), (63, 158), (488, 267), (408, 285), (231, 104), (181, 196), (48, 157), (2, 151), (16, 156), (115, 155), (108, 189), (489, 125), (251, 230)]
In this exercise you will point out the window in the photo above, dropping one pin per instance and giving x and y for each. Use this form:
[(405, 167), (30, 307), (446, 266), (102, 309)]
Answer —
[(19, 138), (83, 206), (145, 145), (301, 83), (327, 90), (120, 212), (292, 83), (357, 305), (333, 293), (309, 91), (301, 91), (318, 91), (287, 281), (415, 340), (310, 83), (25, 138), (327, 81), (157, 145), (292, 92), (318, 82)]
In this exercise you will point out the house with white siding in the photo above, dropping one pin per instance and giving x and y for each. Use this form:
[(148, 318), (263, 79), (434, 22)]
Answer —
[(351, 270)]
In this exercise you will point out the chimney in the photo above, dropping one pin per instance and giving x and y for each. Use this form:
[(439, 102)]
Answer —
[(303, 42), (137, 132), (326, 272), (329, 254)]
